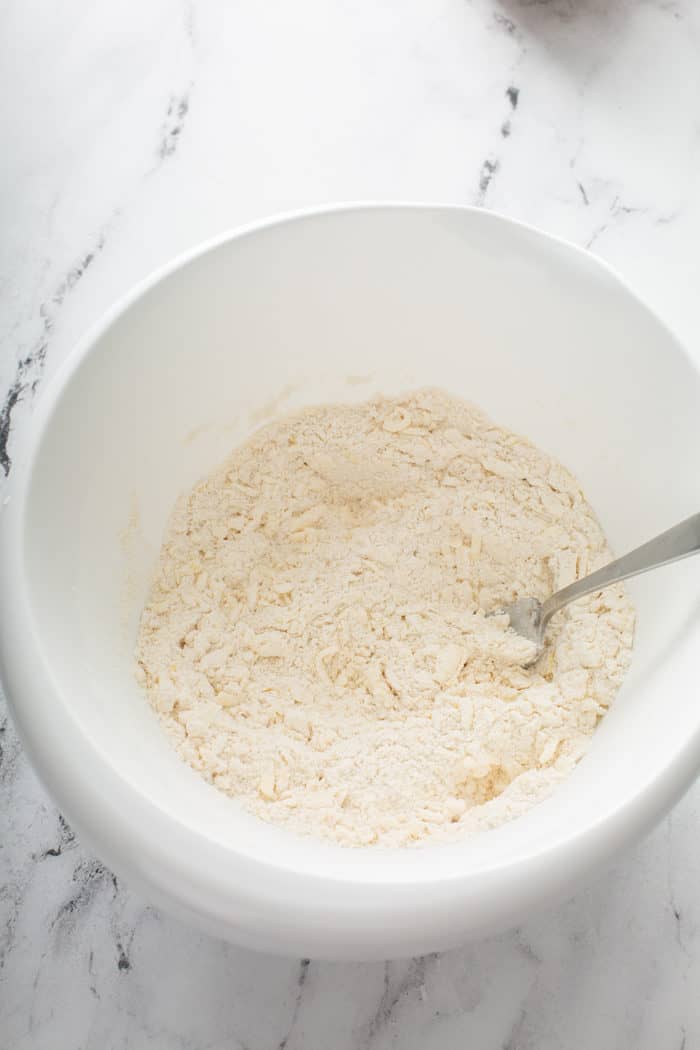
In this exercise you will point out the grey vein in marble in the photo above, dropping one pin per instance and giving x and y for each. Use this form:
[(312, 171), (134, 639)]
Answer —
[(410, 985), (173, 125), (492, 164), (301, 981), (30, 367)]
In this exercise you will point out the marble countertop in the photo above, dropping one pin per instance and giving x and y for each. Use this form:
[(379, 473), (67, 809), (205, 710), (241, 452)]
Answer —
[(132, 131)]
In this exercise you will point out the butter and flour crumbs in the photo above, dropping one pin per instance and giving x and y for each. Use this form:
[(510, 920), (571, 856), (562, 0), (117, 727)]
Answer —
[(316, 642)]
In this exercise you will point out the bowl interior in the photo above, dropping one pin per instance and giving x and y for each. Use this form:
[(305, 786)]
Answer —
[(340, 306)]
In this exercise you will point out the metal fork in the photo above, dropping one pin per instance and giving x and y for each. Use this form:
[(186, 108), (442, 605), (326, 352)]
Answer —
[(530, 618)]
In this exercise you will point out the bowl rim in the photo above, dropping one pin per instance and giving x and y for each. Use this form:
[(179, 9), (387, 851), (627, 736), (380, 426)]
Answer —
[(151, 860)]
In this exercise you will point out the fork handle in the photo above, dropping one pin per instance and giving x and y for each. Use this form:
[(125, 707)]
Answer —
[(679, 542)]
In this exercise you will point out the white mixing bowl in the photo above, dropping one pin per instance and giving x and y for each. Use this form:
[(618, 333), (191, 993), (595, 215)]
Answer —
[(340, 304)]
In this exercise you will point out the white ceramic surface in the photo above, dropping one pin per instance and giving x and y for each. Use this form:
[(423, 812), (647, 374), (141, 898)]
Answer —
[(539, 334)]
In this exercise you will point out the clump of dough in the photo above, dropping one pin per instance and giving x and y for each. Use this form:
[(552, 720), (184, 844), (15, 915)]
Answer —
[(316, 641)]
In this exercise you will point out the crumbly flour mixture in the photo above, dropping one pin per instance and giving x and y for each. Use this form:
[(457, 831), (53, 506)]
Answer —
[(316, 641)]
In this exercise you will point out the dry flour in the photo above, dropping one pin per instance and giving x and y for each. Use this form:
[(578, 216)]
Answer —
[(315, 641)]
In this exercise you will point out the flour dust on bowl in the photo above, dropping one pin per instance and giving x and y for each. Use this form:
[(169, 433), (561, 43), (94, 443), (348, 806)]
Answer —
[(341, 306)]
